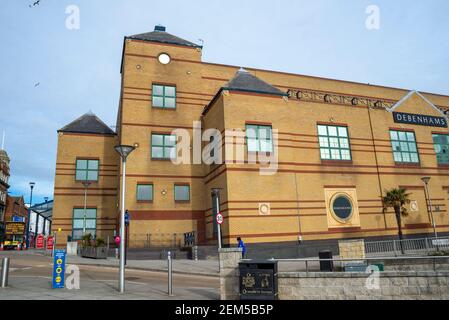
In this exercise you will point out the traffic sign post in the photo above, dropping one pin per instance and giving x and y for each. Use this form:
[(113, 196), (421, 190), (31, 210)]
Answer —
[(220, 220), (58, 280), (127, 220)]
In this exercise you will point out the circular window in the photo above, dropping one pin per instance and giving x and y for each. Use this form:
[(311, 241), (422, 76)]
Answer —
[(342, 207), (164, 58)]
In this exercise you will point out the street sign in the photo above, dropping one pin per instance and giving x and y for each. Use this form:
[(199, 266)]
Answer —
[(50, 243), (14, 228), (220, 219), (40, 242), (59, 269), (127, 218)]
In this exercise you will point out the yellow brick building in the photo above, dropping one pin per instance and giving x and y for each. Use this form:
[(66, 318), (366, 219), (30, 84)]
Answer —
[(339, 146)]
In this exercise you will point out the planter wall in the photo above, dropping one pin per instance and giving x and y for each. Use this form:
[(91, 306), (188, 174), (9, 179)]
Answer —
[(94, 252)]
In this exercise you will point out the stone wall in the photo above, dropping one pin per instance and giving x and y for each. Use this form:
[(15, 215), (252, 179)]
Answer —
[(352, 249), (410, 285), (229, 259)]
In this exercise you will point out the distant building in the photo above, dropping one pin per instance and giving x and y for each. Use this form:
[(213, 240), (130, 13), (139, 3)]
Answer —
[(4, 178)]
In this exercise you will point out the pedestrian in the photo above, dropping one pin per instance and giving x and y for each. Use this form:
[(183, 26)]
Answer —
[(242, 245)]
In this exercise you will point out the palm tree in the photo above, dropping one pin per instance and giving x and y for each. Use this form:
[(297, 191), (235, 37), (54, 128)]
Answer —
[(396, 199)]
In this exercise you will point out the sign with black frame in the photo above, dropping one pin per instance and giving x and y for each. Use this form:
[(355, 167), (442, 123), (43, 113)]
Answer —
[(419, 120)]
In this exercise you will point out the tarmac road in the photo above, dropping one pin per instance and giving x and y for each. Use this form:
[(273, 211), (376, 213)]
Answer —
[(30, 278)]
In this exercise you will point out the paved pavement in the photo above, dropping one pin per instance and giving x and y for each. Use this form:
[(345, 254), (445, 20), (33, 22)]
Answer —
[(30, 279)]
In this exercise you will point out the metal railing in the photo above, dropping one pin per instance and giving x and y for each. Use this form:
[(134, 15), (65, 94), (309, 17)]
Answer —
[(309, 263), (156, 240), (423, 246)]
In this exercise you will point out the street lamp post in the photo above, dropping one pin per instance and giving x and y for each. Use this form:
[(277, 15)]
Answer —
[(32, 184), (124, 151), (429, 204)]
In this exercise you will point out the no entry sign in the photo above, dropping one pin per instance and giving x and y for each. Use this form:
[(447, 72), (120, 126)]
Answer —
[(50, 243), (220, 219)]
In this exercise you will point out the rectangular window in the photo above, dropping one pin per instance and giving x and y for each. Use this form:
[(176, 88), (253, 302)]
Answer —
[(144, 192), (84, 222), (334, 143), (259, 138), (404, 146), (87, 170), (163, 146), (182, 193), (164, 96), (441, 143)]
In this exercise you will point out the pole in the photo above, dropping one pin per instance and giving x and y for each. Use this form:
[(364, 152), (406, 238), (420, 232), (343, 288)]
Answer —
[(36, 228), (5, 273), (170, 274), (85, 209), (122, 232), (126, 244), (219, 225), (431, 212), (29, 217), (54, 244)]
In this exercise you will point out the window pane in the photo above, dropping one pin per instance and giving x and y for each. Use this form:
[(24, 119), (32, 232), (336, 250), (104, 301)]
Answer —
[(78, 213), (325, 154), (158, 102), (91, 213), (396, 146), (344, 143), (324, 142), (91, 223), (145, 192), (93, 232), (333, 142), (322, 130), (170, 91), (406, 157), (170, 103), (78, 224), (410, 136), (265, 146), (81, 175), (251, 132), (158, 90), (170, 140), (394, 135), (414, 157), (264, 133), (345, 155), (335, 154), (157, 152), (253, 145), (170, 153), (182, 193), (412, 147), (343, 132), (397, 157), (332, 131), (77, 234), (157, 140), (81, 164), (402, 136), (93, 164), (92, 175), (404, 146)]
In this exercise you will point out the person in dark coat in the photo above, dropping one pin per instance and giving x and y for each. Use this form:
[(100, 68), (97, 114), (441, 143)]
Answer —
[(242, 245)]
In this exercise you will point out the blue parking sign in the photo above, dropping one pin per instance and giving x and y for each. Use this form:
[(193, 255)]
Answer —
[(59, 269), (127, 218)]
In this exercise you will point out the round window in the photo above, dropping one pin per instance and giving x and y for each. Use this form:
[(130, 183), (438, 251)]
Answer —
[(342, 207), (164, 58)]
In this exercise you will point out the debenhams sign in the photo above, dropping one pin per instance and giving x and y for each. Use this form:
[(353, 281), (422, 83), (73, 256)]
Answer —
[(420, 120)]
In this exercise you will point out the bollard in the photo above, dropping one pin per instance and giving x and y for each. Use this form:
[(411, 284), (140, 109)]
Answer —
[(5, 273), (170, 274), (195, 253)]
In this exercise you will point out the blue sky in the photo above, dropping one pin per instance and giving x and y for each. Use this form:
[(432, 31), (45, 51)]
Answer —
[(78, 70)]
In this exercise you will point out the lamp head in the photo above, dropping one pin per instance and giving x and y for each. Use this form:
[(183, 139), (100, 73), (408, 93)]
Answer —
[(425, 179), (124, 150), (32, 184)]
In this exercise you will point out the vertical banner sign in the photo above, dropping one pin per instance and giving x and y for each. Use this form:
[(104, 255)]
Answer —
[(40, 242), (59, 269), (50, 243)]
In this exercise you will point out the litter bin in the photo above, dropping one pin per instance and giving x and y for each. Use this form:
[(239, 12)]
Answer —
[(258, 280), (326, 266)]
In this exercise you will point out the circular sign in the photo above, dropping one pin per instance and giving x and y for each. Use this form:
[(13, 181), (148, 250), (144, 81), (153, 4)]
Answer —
[(220, 218), (342, 207)]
